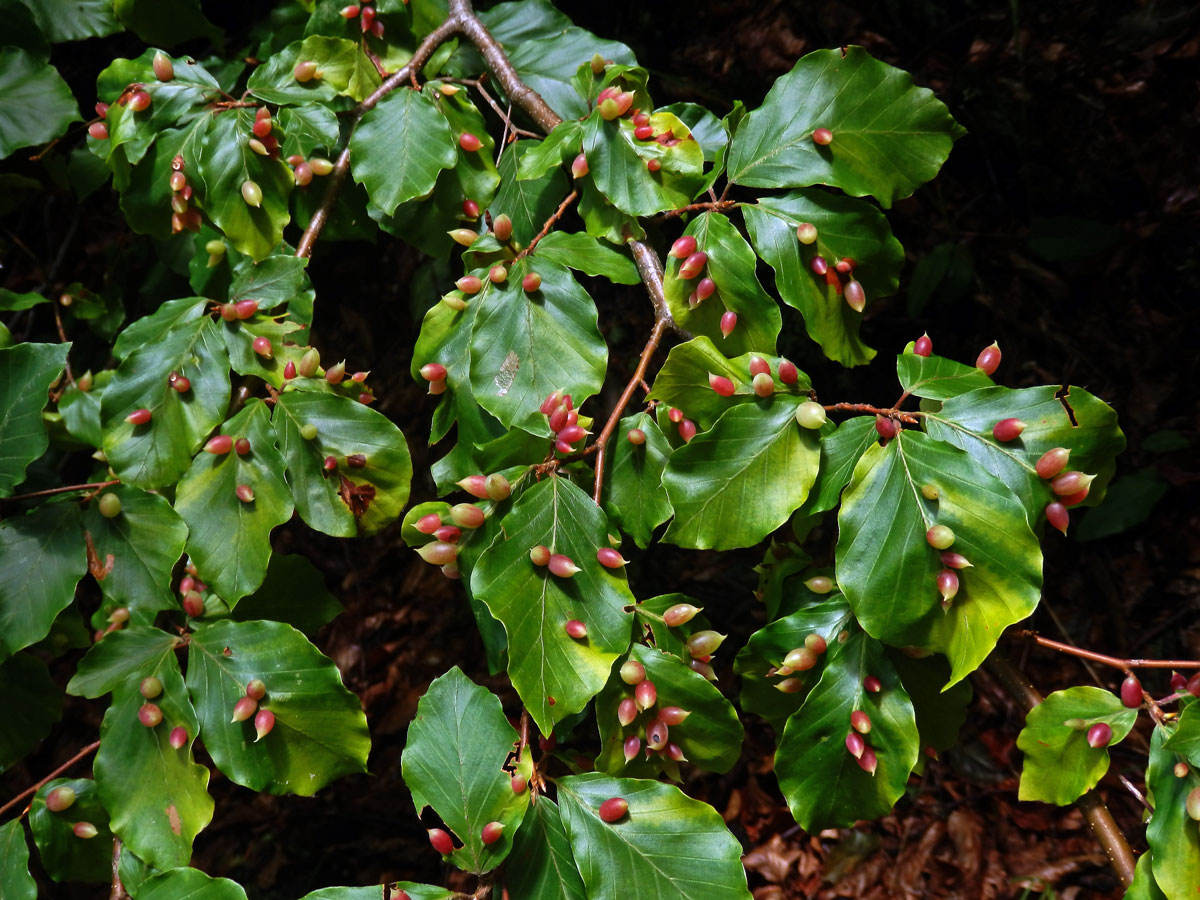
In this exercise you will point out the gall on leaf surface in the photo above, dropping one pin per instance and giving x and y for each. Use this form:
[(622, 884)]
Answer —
[(734, 484), (555, 675), (158, 453), (888, 571), (33, 703), (1173, 836), (345, 70), (1094, 438), (821, 781), (42, 558), (475, 171), (453, 762), (937, 378), (145, 542), (683, 380), (226, 163), (64, 856), (230, 540), (320, 731), (711, 737), (542, 865), (643, 848), (1059, 766), (731, 264), (768, 646), (845, 228), (26, 373), (889, 136), (350, 501), (635, 498), (399, 148), (525, 346)]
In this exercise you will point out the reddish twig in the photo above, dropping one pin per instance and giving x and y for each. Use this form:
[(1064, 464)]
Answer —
[(558, 214), (29, 791), (1113, 661), (912, 418), (50, 492), (477, 83), (62, 336), (709, 205)]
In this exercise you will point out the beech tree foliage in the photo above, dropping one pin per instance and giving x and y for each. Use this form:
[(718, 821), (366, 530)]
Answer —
[(215, 420)]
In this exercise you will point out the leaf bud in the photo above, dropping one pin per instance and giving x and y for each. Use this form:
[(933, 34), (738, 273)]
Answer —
[(645, 694), (633, 672), (680, 614)]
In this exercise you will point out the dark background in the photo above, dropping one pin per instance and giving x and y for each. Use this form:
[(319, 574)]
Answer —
[(1065, 226)]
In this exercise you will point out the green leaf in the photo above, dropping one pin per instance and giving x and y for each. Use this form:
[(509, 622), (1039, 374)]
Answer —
[(172, 103), (144, 540), (889, 136), (559, 147), (73, 20), (731, 265), (841, 450), (81, 415), (146, 191), (153, 328), (683, 380), (454, 762), (725, 486), (534, 605), (936, 377), (158, 453), (541, 865), (15, 881), (603, 220), (845, 228), (1144, 886), (176, 884), (320, 731), (399, 147), (888, 570), (35, 103), (1172, 835), (351, 500), (11, 301), (1059, 765), (32, 704), (525, 346), (711, 737), (307, 129), (705, 127), (529, 203), (940, 713), (166, 22), (391, 890), (583, 252), (642, 851), (42, 558), (226, 163), (64, 856), (271, 281), (767, 647), (157, 795), (476, 172), (820, 779), (281, 331), (1128, 502), (617, 164), (26, 373), (124, 656), (636, 499), (1185, 739), (344, 69), (293, 592), (230, 540), (1089, 431), (548, 62)]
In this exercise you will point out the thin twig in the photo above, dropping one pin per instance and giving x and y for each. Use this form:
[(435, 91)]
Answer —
[(96, 485), (1104, 827), (712, 205), (1132, 788), (118, 889), (477, 83), (1106, 660), (62, 336), (558, 214), (29, 791), (912, 418)]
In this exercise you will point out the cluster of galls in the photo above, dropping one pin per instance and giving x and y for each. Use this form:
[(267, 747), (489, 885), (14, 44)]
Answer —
[(833, 272), (264, 143), (693, 266), (941, 538), (135, 96), (443, 550), (562, 566), (1070, 487), (860, 726), (808, 414), (655, 726), (63, 798), (563, 420), (247, 706), (502, 229), (150, 714), (687, 428), (191, 588), (310, 367), (119, 617), (1099, 733), (220, 445), (804, 657), (366, 15), (184, 216)]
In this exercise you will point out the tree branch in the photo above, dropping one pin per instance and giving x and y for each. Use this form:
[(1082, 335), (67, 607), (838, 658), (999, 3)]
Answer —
[(1104, 827), (90, 748), (50, 492), (1104, 659)]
